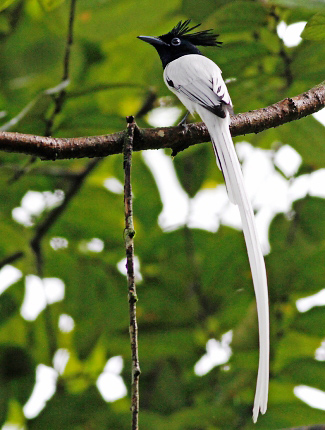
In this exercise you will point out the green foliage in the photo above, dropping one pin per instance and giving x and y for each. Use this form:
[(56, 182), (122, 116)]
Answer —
[(50, 4), (196, 285), (315, 28), (252, 16), (5, 3), (312, 4)]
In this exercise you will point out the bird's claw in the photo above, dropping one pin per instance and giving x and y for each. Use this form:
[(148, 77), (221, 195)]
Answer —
[(183, 122)]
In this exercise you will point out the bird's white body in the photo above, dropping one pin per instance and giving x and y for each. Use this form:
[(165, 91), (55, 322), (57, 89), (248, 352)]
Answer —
[(198, 83)]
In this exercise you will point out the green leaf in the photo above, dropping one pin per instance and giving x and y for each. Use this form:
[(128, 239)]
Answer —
[(168, 380), (4, 403), (50, 4), (92, 292), (309, 322), (69, 410), (199, 14), (4, 25), (295, 346), (297, 133), (296, 262), (18, 370), (305, 371), (295, 4), (312, 226), (200, 416), (16, 325), (8, 306), (252, 15), (190, 170), (99, 208), (94, 15), (288, 415), (307, 65), (5, 3), (315, 28)]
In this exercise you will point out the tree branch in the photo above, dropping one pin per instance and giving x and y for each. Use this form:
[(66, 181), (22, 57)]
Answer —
[(60, 98), (11, 258), (177, 138), (129, 249), (315, 427), (41, 230), (283, 53), (48, 222)]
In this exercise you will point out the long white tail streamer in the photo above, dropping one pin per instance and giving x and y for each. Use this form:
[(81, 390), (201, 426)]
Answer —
[(228, 162)]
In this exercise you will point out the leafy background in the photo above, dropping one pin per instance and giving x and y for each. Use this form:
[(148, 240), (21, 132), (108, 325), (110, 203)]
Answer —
[(196, 284)]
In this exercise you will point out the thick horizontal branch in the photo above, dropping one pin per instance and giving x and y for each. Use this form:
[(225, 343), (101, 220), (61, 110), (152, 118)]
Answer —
[(315, 427), (177, 138)]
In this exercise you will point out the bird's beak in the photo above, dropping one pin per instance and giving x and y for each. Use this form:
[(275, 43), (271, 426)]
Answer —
[(152, 40)]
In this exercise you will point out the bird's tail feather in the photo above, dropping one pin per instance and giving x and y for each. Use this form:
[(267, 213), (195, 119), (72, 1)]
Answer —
[(228, 162)]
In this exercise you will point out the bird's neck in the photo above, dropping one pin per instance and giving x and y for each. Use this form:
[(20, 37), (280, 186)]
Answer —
[(167, 56)]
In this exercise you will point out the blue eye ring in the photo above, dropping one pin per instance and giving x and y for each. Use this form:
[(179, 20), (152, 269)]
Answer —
[(176, 41)]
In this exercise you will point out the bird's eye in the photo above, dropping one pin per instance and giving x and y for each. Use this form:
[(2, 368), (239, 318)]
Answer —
[(176, 41)]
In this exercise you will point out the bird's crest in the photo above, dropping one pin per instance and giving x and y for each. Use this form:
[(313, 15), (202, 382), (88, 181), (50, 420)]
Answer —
[(200, 38)]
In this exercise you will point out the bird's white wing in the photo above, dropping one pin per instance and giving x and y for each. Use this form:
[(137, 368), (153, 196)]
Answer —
[(195, 78), (198, 83)]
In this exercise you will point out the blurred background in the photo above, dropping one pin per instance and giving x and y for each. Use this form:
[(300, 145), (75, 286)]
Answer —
[(64, 345)]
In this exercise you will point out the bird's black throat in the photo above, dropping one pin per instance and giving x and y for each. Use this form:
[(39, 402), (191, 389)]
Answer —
[(168, 55)]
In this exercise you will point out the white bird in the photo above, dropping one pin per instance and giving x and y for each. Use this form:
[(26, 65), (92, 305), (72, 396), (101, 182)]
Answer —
[(198, 83)]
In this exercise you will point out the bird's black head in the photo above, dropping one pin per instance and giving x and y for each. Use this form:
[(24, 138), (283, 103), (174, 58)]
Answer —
[(178, 42)]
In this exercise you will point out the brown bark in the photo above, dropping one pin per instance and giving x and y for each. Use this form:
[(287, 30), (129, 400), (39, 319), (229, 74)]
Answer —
[(177, 138)]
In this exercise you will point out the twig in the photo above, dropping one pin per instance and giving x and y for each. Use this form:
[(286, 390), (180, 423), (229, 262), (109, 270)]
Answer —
[(14, 121), (11, 258), (50, 170), (30, 105), (287, 73), (148, 103), (59, 99), (21, 115), (66, 66), (176, 138), (44, 227), (129, 248)]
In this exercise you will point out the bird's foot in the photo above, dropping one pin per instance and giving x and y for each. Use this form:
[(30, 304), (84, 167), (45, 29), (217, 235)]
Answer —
[(183, 122)]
